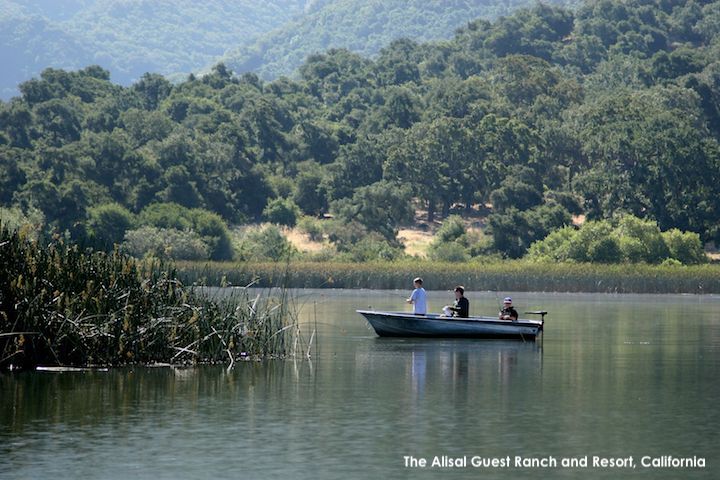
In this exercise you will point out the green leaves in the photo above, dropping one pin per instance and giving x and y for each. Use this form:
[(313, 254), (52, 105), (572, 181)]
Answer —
[(381, 207), (628, 239), (606, 110)]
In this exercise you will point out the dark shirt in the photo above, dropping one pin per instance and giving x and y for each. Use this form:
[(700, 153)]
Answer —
[(509, 311), (461, 308)]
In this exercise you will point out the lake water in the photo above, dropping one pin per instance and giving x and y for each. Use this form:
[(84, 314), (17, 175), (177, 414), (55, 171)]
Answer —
[(613, 376)]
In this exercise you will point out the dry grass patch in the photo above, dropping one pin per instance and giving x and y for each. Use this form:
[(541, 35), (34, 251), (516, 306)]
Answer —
[(302, 241), (416, 241)]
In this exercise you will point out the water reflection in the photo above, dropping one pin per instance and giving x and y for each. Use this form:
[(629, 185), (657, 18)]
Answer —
[(612, 375), (460, 364)]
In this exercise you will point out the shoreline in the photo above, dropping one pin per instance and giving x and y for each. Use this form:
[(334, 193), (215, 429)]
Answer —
[(510, 275)]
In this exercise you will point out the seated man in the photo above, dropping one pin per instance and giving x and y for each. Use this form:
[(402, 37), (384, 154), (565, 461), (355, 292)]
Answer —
[(508, 312), (461, 308)]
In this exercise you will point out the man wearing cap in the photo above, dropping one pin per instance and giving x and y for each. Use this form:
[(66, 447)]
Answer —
[(508, 312)]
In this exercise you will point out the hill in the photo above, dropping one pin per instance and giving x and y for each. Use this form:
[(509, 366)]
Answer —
[(611, 112), (175, 37), (364, 27), (129, 37)]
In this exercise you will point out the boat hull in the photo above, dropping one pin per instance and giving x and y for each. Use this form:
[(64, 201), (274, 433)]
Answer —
[(393, 324)]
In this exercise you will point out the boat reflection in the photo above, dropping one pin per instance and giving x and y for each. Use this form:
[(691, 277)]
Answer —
[(457, 365)]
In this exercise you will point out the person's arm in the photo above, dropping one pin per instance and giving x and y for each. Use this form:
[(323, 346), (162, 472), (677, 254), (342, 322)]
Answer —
[(513, 315), (412, 297), (507, 315)]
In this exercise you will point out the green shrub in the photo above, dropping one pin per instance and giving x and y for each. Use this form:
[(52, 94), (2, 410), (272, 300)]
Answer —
[(312, 228), (373, 247), (29, 224), (344, 234), (647, 244), (452, 228), (478, 244), (671, 262), (604, 250), (214, 232), (633, 240), (166, 244), (107, 224), (264, 243), (165, 215), (685, 247), (281, 211), (555, 247), (208, 225), (448, 252)]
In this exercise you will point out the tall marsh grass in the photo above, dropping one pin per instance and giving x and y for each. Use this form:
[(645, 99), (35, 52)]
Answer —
[(510, 275), (61, 305)]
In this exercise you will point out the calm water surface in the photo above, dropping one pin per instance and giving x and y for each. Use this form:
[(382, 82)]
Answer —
[(614, 376)]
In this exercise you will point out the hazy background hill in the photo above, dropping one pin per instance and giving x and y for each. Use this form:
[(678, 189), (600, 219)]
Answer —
[(131, 37), (365, 27)]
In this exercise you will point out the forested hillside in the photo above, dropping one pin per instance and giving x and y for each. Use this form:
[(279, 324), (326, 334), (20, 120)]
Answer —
[(364, 27), (175, 37), (612, 109), (129, 37)]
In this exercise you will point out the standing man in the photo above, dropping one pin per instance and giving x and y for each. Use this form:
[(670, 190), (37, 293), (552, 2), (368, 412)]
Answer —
[(508, 312), (461, 309), (417, 298)]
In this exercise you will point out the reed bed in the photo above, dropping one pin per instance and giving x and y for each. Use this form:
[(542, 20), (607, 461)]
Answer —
[(60, 305), (510, 275)]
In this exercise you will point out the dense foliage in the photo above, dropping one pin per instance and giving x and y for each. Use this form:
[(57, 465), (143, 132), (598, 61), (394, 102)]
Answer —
[(613, 109), (363, 27), (629, 239), (176, 37)]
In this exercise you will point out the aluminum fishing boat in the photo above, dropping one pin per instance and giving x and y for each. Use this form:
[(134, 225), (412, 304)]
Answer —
[(401, 324)]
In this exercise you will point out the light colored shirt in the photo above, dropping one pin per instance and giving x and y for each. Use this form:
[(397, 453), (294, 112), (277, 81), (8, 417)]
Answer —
[(418, 301)]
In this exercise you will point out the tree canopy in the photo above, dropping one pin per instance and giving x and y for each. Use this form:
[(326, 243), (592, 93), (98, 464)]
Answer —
[(609, 110)]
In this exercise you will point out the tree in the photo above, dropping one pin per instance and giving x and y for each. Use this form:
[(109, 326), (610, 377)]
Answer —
[(684, 247), (640, 240), (211, 228), (429, 159), (311, 189), (152, 89), (358, 164), (264, 244), (631, 240), (107, 224), (513, 231), (400, 108), (165, 243), (639, 144), (282, 211), (381, 207)]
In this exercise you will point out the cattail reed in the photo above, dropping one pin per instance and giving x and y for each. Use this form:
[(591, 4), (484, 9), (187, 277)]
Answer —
[(61, 305), (507, 275)]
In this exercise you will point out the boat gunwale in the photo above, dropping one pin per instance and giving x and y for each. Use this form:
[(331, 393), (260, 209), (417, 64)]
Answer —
[(520, 322)]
